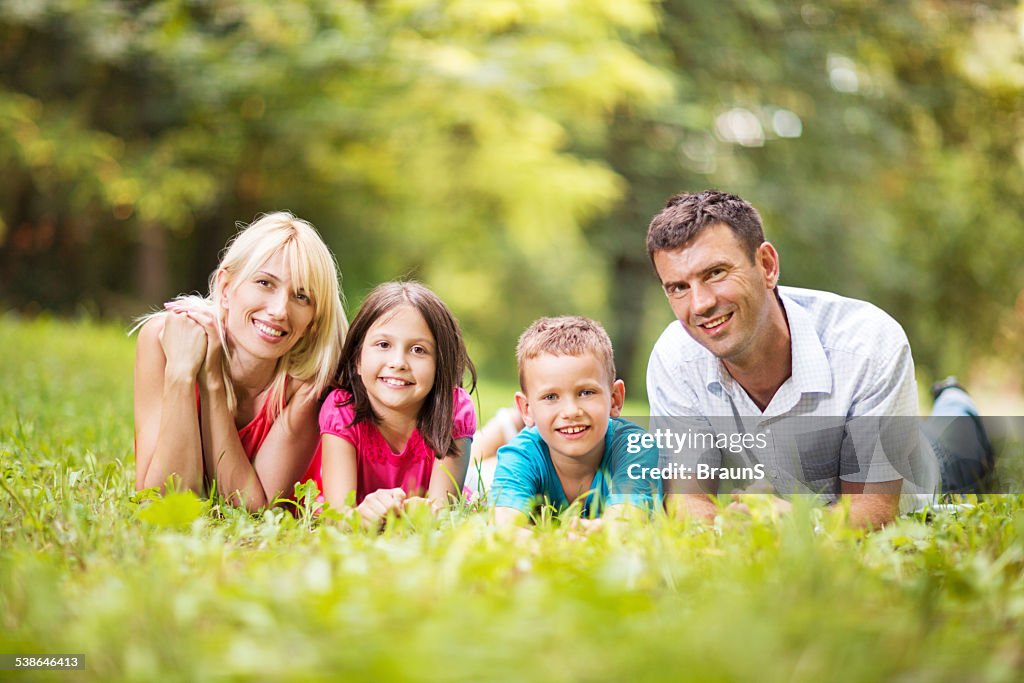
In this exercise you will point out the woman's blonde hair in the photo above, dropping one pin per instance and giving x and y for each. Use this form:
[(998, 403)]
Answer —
[(315, 356)]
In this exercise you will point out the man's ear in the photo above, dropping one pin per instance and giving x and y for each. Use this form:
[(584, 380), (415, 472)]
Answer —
[(618, 397), (767, 260), (524, 408)]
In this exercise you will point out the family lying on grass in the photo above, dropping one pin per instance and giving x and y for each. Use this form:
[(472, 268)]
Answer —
[(755, 387)]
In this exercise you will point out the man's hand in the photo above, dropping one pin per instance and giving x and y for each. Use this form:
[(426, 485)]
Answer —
[(874, 504), (740, 503)]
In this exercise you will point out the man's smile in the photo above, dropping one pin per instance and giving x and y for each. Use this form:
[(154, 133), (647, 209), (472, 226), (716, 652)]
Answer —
[(716, 323)]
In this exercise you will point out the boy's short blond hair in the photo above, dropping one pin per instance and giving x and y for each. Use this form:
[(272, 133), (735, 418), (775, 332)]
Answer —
[(567, 335)]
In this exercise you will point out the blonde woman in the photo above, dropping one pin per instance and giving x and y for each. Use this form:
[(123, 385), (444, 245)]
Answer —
[(227, 385)]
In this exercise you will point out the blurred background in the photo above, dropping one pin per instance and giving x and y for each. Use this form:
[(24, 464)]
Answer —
[(510, 153)]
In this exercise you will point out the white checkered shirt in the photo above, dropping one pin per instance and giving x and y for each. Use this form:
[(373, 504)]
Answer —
[(848, 411)]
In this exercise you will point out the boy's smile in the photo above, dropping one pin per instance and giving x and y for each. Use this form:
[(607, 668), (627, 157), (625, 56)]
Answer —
[(569, 399)]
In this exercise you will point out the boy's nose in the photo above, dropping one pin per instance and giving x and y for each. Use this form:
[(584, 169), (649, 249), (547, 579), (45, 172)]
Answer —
[(571, 408)]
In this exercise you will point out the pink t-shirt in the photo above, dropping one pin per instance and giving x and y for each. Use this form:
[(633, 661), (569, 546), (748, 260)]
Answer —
[(377, 466)]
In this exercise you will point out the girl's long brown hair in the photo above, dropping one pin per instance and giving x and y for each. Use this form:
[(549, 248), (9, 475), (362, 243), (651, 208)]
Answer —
[(438, 411)]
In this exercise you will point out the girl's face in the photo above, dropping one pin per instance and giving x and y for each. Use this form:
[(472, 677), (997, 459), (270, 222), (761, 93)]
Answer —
[(265, 315), (397, 361)]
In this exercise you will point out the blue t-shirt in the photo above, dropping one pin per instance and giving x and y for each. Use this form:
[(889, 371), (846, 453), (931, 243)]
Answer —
[(525, 475)]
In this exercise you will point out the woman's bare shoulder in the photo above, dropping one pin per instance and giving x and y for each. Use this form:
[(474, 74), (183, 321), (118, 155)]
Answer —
[(149, 334)]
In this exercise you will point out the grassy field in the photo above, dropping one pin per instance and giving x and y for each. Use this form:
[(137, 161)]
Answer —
[(186, 590)]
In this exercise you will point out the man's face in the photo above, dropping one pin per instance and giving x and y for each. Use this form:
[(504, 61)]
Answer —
[(722, 299)]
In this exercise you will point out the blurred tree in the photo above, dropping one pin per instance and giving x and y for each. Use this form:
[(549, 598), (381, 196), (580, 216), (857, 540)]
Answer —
[(510, 153), (879, 141), (424, 138)]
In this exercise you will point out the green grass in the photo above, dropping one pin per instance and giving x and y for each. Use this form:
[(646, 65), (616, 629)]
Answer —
[(181, 590)]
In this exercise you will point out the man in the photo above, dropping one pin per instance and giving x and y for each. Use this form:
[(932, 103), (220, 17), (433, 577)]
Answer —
[(815, 389)]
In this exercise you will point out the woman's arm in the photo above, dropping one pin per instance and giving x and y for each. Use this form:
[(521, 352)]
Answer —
[(282, 457), (449, 474), (168, 355)]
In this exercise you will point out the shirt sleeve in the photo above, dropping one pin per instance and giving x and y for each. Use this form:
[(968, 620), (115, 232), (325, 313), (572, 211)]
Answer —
[(517, 479), (687, 435), (464, 421), (335, 418), (882, 435), (633, 460)]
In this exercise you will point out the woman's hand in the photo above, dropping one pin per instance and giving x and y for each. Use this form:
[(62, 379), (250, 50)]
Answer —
[(184, 343), (211, 376)]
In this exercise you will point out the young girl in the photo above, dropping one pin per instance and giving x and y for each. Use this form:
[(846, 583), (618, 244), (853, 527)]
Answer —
[(226, 385), (399, 423)]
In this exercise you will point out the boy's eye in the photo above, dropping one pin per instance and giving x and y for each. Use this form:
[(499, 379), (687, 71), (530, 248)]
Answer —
[(587, 392), (549, 397)]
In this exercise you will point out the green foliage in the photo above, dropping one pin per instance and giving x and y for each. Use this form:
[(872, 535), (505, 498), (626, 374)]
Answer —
[(225, 595), (511, 152)]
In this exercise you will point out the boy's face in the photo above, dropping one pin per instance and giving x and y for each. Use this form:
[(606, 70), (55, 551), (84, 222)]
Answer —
[(569, 399)]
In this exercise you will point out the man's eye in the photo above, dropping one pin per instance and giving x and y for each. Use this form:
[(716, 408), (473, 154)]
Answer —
[(716, 273)]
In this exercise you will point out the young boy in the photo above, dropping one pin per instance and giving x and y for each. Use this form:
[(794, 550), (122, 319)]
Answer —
[(575, 445)]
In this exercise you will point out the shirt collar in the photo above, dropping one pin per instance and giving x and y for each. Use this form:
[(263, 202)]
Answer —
[(812, 373)]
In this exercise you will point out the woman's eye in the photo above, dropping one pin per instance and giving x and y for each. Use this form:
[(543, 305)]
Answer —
[(263, 283)]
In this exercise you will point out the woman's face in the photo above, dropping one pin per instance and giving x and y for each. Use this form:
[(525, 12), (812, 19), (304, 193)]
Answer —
[(265, 315)]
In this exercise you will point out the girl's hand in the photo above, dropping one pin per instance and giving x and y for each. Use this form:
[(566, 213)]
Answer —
[(413, 502), (376, 506), (184, 345), (211, 376)]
